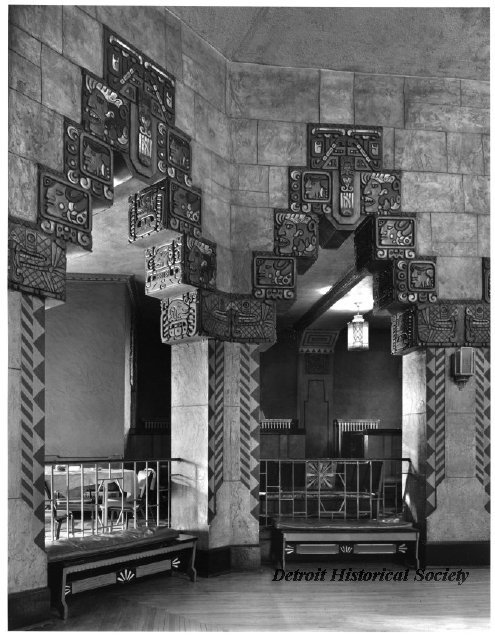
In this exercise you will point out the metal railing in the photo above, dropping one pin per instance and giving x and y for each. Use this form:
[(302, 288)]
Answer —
[(332, 488), (85, 497)]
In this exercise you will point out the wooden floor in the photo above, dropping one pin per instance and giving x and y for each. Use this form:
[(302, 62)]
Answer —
[(251, 601)]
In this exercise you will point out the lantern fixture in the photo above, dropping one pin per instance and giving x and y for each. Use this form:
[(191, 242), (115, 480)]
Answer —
[(358, 333)]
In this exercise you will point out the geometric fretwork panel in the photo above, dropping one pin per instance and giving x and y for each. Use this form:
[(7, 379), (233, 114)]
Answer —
[(37, 262)]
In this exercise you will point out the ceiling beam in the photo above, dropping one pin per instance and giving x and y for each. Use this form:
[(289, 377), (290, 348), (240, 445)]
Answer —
[(343, 286)]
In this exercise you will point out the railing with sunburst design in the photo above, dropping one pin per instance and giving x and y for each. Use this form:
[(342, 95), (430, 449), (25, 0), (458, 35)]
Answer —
[(331, 487)]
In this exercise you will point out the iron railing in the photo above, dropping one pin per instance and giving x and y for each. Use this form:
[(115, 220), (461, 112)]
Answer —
[(84, 497), (332, 487)]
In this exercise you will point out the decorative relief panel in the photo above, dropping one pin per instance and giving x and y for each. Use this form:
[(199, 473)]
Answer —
[(444, 324), (165, 206), (180, 264), (219, 315), (64, 210), (88, 163), (296, 235), (346, 150), (179, 320), (382, 238), (274, 277), (485, 266), (105, 114), (405, 282), (314, 341), (380, 193), (37, 262), (310, 191), (317, 364), (150, 91)]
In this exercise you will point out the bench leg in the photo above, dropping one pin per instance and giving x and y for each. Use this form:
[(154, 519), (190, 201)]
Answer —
[(191, 571), (57, 589)]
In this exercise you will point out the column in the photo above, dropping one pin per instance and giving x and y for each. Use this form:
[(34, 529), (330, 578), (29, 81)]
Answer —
[(215, 430), (29, 597)]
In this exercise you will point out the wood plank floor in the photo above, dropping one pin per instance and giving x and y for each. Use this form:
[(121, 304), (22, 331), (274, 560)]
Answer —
[(251, 601)]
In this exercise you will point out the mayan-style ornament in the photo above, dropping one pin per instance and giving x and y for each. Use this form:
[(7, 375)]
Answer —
[(274, 277), (296, 236), (380, 193), (164, 210), (105, 114), (37, 262), (455, 323), (88, 164), (346, 151), (64, 210), (219, 315), (182, 264), (382, 238), (404, 282), (180, 318), (150, 91), (316, 341), (310, 191), (485, 266)]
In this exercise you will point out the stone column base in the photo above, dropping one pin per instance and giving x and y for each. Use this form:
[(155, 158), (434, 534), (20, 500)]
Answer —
[(28, 607), (214, 562)]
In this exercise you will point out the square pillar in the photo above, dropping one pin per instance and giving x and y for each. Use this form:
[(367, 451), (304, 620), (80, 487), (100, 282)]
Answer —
[(215, 431)]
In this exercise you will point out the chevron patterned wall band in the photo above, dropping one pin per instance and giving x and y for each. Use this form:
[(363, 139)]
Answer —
[(482, 442), (33, 411), (435, 424)]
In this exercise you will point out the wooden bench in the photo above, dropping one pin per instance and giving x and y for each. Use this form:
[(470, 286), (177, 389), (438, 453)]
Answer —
[(80, 564), (319, 536)]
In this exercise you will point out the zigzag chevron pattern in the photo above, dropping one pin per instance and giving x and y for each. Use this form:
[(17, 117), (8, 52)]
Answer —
[(436, 369), (483, 421), (33, 411), (431, 494), (249, 390), (216, 382)]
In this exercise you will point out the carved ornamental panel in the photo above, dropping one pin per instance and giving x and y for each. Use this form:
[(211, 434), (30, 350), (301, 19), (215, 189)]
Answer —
[(315, 341), (381, 193), (37, 261), (346, 151), (181, 264), (166, 206), (444, 324), (64, 209), (150, 92), (88, 164), (296, 236), (219, 315), (379, 239), (274, 277), (405, 282)]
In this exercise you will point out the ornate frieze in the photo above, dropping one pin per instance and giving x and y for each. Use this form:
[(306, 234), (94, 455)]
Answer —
[(150, 92), (219, 315), (380, 193), (274, 277), (379, 239), (166, 206), (296, 236), (315, 341), (180, 264), (64, 209), (345, 150), (404, 282), (455, 323), (105, 114), (37, 261), (485, 266), (310, 191), (88, 164)]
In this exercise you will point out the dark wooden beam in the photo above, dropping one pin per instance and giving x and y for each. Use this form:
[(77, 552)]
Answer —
[(343, 286)]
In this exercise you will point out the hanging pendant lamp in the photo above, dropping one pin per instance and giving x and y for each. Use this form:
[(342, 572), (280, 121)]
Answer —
[(358, 333)]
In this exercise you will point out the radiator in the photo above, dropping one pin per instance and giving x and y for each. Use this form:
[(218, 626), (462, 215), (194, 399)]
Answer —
[(341, 425)]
